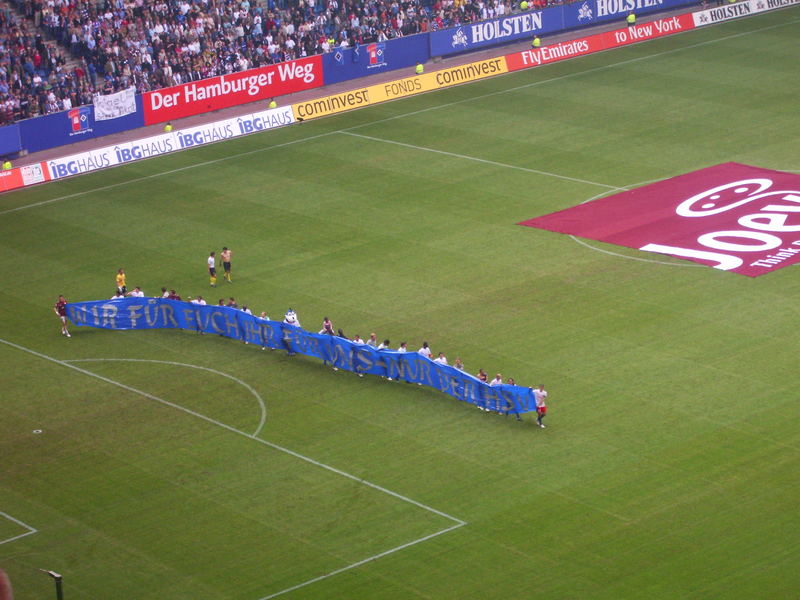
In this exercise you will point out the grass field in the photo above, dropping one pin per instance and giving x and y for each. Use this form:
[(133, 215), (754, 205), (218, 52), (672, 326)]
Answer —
[(669, 468)]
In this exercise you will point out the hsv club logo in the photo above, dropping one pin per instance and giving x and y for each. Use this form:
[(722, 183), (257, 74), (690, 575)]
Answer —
[(377, 55), (732, 217), (78, 120)]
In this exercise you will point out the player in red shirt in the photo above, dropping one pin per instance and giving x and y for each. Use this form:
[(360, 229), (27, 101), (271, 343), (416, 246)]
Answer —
[(60, 308)]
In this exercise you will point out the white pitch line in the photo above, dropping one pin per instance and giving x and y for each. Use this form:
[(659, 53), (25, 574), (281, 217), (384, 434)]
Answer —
[(408, 114), (560, 77), (31, 530), (170, 172), (458, 522), (361, 562), (609, 252), (248, 387), (494, 163)]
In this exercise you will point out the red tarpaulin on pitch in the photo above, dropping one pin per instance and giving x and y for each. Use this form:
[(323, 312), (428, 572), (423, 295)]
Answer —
[(731, 216)]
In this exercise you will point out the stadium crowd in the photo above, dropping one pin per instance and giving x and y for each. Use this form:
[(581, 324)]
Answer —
[(150, 44)]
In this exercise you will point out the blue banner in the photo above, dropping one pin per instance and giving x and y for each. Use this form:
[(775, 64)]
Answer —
[(75, 125), (9, 140), (160, 313), (342, 64), (524, 25)]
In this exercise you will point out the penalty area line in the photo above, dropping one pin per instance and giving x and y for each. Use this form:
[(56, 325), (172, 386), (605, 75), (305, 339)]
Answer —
[(248, 387), (31, 530), (362, 562), (458, 522)]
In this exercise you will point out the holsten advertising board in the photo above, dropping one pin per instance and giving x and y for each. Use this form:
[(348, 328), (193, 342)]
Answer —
[(524, 25), (225, 91)]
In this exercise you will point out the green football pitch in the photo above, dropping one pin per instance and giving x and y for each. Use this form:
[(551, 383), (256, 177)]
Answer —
[(167, 465)]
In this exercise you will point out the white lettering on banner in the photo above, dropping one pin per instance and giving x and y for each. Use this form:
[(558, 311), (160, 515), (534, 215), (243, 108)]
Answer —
[(206, 134), (293, 70), (493, 30), (771, 217), (268, 119), (668, 25), (145, 148), (161, 144), (615, 7), (554, 52), (225, 85), (81, 163)]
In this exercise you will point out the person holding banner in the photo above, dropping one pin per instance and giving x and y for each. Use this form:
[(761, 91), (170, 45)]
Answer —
[(60, 308), (541, 405), (121, 282)]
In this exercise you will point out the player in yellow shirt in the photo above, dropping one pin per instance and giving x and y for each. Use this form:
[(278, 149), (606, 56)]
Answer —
[(121, 282)]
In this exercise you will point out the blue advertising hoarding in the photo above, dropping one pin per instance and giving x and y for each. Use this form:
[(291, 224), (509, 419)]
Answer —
[(550, 20), (161, 313), (592, 12), (74, 125), (342, 64), (9, 140)]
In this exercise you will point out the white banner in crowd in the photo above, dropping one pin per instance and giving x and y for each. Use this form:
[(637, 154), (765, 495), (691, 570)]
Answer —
[(116, 105)]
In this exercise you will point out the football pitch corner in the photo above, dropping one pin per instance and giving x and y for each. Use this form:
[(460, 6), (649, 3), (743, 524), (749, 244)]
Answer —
[(451, 522)]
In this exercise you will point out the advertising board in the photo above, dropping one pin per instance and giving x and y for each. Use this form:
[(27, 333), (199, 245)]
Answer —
[(74, 125), (224, 91), (342, 64)]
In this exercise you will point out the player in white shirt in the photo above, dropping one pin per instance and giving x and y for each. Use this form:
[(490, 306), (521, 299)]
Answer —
[(403, 347), (384, 345), (212, 269), (441, 359), (136, 293), (199, 300), (118, 295), (498, 380), (425, 351), (357, 340), (373, 340), (541, 404), (246, 310)]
